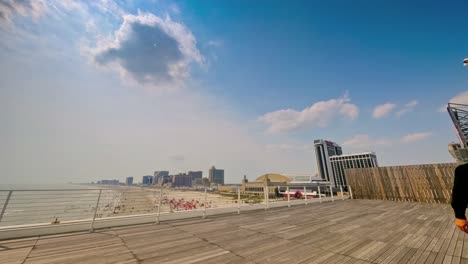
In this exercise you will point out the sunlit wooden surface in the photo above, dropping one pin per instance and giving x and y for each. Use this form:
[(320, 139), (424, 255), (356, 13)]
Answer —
[(352, 231)]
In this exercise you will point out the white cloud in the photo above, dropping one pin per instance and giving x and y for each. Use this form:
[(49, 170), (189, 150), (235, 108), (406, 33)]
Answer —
[(109, 7), (174, 9), (151, 50), (461, 98), (365, 142), (11, 8), (320, 114), (416, 137), (383, 110), (409, 107)]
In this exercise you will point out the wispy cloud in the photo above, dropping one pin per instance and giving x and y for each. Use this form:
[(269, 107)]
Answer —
[(151, 50), (320, 114), (409, 107), (109, 7), (383, 110), (215, 43), (11, 8), (289, 147), (414, 137), (364, 141)]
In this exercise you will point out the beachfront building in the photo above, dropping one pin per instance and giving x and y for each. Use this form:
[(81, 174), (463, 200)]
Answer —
[(109, 182), (196, 177), (147, 180), (129, 181), (182, 180), (351, 161), (159, 177), (276, 180), (324, 149), (216, 176)]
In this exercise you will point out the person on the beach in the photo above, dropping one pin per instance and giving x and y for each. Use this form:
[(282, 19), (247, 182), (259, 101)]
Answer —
[(460, 196)]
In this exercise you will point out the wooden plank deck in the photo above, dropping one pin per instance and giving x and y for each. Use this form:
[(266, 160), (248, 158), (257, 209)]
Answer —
[(353, 231)]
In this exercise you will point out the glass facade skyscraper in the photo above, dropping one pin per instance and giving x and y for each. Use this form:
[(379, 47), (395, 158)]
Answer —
[(216, 176), (325, 149)]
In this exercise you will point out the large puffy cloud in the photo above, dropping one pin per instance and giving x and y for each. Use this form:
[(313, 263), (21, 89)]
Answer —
[(383, 110), (11, 8), (151, 50), (320, 114)]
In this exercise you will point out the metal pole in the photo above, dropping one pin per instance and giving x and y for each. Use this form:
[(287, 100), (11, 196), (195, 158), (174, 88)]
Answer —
[(238, 200), (95, 211), (341, 190), (331, 193), (204, 205), (268, 197), (350, 192), (5, 205), (289, 199), (320, 194), (160, 204), (305, 195), (264, 197)]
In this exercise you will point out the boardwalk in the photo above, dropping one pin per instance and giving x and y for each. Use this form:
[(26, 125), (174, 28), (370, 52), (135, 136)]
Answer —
[(353, 231)]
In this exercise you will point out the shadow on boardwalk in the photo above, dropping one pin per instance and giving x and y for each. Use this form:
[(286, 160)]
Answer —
[(353, 231)]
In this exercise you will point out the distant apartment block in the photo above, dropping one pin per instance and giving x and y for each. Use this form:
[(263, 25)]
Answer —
[(160, 176), (216, 176), (325, 149), (147, 180), (196, 174), (351, 161), (182, 180), (129, 181), (196, 177), (109, 182)]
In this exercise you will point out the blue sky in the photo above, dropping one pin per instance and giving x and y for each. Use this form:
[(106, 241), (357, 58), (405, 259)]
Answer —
[(109, 89)]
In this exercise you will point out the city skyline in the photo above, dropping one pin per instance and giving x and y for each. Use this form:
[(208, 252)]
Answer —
[(108, 89)]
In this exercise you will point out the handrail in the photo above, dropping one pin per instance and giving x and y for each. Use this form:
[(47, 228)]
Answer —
[(59, 207), (51, 190)]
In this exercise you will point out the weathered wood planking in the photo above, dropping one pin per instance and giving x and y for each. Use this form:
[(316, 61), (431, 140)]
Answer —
[(351, 231), (429, 183)]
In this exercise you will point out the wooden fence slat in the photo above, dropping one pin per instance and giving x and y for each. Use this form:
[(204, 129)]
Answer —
[(429, 183)]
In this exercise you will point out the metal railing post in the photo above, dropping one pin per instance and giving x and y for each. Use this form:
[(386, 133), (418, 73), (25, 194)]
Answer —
[(5, 205), (268, 197), (305, 195), (289, 198), (265, 197), (331, 193), (238, 200), (160, 204), (95, 211), (320, 193), (350, 192), (341, 190), (204, 205)]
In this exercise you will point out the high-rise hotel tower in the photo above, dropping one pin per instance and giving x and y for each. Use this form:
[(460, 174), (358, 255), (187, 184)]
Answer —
[(325, 149)]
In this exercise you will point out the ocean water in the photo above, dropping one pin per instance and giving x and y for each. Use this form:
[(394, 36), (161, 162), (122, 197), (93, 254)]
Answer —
[(55, 186), (60, 203)]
